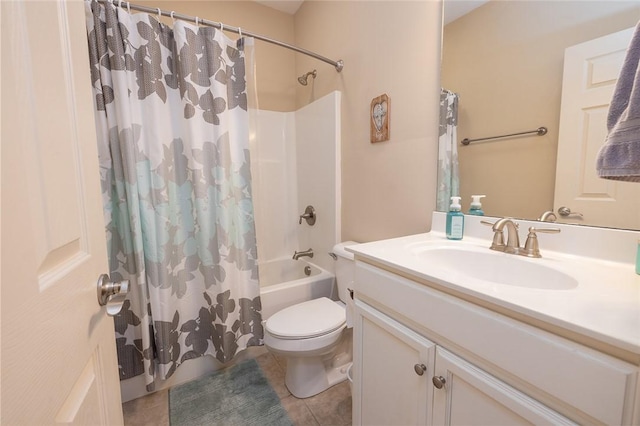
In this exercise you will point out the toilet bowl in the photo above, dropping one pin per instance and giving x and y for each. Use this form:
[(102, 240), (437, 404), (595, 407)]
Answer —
[(314, 336)]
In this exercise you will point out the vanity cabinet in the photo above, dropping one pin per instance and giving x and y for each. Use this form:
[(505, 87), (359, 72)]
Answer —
[(478, 366)]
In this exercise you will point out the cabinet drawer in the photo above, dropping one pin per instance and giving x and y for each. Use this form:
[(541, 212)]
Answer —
[(596, 384)]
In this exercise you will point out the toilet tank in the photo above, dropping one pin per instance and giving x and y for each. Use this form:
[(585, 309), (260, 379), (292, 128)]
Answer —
[(345, 269)]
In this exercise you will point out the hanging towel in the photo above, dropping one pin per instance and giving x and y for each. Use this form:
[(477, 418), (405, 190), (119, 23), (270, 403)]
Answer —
[(619, 157)]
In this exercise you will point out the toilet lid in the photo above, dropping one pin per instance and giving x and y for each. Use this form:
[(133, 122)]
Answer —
[(307, 319)]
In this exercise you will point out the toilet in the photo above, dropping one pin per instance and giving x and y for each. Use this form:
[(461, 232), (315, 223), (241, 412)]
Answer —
[(316, 336)]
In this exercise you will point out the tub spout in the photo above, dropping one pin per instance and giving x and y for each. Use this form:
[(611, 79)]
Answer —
[(298, 254)]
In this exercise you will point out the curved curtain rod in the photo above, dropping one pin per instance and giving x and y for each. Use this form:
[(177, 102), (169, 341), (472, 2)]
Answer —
[(339, 64)]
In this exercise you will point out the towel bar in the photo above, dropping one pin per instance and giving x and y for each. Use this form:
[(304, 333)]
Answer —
[(540, 131)]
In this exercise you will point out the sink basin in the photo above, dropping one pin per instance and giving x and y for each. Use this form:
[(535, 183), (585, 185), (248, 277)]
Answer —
[(496, 267)]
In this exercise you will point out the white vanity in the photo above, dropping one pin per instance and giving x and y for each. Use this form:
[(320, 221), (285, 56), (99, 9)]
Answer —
[(450, 332)]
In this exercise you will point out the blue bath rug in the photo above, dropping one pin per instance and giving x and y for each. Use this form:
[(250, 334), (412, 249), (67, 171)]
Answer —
[(237, 396)]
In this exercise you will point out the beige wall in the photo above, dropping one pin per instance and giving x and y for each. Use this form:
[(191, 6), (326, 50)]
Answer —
[(392, 47), (275, 66), (505, 59)]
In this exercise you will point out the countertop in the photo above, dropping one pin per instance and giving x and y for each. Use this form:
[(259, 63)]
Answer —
[(603, 307)]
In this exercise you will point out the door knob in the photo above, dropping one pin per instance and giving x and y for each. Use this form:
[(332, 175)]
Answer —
[(438, 381), (420, 369), (111, 294), (566, 211)]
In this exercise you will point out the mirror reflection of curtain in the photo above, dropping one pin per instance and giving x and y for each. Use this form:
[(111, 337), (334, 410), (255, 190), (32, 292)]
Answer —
[(448, 178)]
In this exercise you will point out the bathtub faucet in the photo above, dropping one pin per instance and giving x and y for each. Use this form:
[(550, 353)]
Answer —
[(298, 254)]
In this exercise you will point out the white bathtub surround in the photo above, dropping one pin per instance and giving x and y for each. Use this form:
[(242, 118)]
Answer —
[(295, 163), (319, 177)]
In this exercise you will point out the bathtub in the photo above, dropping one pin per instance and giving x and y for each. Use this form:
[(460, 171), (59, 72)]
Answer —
[(283, 283)]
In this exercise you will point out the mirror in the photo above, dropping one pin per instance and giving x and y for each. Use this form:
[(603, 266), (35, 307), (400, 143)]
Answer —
[(505, 61)]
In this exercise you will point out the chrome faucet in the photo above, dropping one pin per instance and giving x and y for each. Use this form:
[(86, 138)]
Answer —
[(298, 254)]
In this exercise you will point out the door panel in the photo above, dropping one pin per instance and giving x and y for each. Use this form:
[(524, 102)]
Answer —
[(591, 71), (391, 392), (58, 346), (471, 396)]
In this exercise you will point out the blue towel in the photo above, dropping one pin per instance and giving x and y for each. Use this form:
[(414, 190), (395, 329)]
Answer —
[(619, 157)]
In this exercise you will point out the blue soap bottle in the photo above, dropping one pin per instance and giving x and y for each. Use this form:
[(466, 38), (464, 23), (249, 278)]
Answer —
[(476, 206), (455, 220)]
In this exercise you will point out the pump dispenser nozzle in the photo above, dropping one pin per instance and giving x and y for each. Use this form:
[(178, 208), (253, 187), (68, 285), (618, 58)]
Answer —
[(476, 207), (455, 204)]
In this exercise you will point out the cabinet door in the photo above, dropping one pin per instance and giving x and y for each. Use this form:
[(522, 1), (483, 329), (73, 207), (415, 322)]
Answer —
[(471, 396), (393, 367)]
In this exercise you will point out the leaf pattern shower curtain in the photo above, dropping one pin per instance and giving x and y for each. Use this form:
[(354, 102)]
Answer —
[(173, 135), (448, 179)]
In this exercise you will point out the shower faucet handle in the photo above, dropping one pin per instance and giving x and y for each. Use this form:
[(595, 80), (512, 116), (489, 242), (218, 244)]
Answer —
[(309, 215)]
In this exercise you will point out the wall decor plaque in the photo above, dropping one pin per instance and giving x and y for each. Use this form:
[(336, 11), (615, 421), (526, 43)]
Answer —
[(380, 115)]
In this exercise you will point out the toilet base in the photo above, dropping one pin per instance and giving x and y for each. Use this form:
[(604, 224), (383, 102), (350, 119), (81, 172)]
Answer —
[(306, 377)]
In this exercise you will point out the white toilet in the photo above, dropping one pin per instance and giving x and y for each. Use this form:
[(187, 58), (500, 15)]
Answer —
[(314, 336)]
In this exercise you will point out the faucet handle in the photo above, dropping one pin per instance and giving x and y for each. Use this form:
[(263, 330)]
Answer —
[(544, 230), (531, 247), (309, 215), (498, 237)]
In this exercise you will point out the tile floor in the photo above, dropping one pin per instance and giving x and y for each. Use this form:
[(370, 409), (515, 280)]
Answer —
[(331, 407)]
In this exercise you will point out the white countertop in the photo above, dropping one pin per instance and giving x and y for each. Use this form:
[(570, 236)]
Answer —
[(605, 305)]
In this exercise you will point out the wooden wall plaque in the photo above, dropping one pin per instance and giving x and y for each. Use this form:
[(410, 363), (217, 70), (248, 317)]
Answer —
[(380, 115)]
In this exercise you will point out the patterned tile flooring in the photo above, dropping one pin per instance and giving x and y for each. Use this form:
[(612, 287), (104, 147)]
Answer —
[(331, 407)]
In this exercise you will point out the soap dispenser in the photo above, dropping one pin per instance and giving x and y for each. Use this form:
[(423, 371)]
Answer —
[(476, 206), (455, 220)]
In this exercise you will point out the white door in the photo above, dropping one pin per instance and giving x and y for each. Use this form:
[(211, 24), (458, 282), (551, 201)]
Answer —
[(58, 348), (591, 70), (469, 396), (392, 372)]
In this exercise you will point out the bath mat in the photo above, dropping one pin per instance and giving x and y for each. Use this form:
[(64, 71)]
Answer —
[(239, 395)]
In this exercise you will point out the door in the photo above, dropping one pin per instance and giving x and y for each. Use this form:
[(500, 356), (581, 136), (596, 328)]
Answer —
[(393, 369), (466, 395), (58, 348), (591, 70)]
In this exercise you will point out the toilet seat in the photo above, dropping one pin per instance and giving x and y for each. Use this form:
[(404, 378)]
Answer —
[(306, 320)]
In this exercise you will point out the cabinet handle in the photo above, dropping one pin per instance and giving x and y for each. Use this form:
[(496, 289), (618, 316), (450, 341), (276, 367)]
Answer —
[(420, 369), (438, 381)]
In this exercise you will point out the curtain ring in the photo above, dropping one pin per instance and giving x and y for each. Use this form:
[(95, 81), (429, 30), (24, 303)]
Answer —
[(221, 26), (197, 21), (240, 31), (159, 14), (120, 4), (173, 19), (129, 7)]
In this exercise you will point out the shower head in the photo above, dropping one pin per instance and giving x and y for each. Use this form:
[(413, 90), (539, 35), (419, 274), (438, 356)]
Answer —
[(303, 79)]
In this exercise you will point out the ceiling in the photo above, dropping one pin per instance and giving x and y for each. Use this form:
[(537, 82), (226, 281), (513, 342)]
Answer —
[(287, 6), (453, 9)]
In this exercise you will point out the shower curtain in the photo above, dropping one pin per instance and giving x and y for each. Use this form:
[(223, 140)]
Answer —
[(448, 179), (173, 135)]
